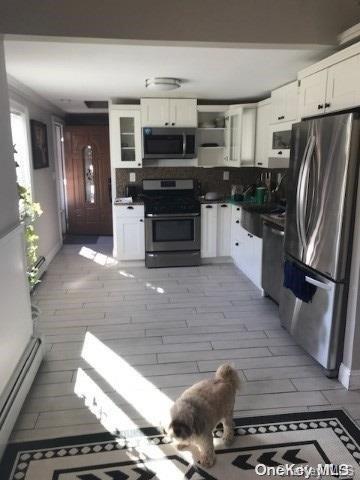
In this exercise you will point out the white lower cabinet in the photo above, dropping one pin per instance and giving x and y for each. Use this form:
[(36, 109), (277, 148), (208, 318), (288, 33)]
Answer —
[(129, 233), (209, 214), (246, 249), (223, 229)]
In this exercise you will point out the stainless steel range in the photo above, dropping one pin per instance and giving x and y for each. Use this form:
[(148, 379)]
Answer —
[(172, 223)]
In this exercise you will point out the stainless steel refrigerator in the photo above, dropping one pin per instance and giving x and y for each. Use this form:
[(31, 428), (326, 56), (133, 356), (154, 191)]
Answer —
[(322, 185)]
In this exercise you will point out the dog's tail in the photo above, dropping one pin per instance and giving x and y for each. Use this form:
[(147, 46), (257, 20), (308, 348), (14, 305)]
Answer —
[(227, 373)]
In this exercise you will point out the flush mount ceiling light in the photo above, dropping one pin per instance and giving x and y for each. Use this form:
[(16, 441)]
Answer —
[(162, 83)]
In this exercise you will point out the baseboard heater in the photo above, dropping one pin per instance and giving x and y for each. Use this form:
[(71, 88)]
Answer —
[(40, 268), (13, 397)]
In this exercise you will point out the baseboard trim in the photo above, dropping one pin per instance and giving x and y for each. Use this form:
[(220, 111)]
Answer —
[(349, 378), (18, 388)]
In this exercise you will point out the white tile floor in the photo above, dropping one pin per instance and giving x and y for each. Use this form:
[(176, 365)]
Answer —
[(173, 326)]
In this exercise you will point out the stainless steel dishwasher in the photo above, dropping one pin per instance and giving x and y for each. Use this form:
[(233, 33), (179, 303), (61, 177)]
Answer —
[(272, 259)]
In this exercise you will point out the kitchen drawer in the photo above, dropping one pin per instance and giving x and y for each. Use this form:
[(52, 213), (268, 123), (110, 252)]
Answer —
[(127, 211)]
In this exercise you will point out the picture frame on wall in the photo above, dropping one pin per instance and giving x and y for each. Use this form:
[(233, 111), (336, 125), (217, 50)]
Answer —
[(39, 143)]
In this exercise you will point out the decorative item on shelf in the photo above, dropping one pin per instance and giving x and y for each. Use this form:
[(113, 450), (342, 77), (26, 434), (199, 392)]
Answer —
[(39, 144)]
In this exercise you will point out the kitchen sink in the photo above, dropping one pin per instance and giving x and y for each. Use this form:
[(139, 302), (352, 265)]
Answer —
[(251, 219)]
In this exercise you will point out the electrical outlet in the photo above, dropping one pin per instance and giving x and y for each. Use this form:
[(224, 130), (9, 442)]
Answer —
[(226, 175), (132, 177)]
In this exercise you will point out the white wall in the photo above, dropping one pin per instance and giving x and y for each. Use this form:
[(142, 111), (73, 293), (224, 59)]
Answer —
[(44, 180), (9, 215)]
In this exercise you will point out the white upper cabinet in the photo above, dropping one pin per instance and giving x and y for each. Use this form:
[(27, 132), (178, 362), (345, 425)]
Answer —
[(284, 103), (240, 124), (155, 112), (168, 112), (332, 84), (183, 112), (262, 133), (343, 89), (125, 138), (313, 94)]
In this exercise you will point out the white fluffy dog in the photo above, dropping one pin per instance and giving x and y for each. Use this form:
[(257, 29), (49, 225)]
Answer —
[(200, 408)]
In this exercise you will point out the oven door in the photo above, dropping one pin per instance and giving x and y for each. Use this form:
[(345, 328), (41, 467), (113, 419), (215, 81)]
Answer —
[(169, 233), (169, 143)]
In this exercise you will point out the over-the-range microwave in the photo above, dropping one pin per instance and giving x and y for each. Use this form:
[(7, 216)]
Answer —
[(162, 142)]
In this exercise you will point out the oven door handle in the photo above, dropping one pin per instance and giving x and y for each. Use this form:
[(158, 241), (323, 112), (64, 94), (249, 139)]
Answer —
[(171, 215), (184, 144)]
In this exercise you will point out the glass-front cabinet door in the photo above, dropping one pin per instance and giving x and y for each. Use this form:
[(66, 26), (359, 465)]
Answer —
[(233, 138), (125, 139)]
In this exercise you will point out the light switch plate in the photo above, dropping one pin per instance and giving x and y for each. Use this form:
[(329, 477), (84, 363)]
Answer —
[(226, 175), (132, 177)]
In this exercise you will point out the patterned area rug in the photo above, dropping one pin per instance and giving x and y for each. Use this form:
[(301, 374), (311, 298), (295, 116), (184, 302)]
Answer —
[(263, 446)]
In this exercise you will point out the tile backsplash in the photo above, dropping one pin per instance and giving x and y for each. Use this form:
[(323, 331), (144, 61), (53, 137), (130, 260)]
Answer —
[(211, 179)]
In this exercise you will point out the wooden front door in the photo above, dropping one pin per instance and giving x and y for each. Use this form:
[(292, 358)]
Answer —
[(87, 165)]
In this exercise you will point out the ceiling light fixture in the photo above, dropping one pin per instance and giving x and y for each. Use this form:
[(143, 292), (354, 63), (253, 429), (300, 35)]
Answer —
[(162, 83)]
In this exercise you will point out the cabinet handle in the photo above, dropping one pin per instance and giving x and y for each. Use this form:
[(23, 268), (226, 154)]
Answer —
[(208, 206), (249, 235), (320, 106), (237, 221), (327, 105), (280, 152), (282, 117), (259, 163), (223, 206), (141, 219), (130, 208), (236, 244)]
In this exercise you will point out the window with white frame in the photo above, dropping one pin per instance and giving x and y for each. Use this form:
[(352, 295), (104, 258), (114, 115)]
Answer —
[(21, 148)]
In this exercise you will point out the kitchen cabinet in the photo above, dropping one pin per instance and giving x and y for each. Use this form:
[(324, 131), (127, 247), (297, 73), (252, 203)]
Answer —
[(246, 249), (279, 142), (125, 138), (129, 232), (343, 89), (262, 133), (209, 219), (168, 112), (331, 89), (284, 103), (240, 124), (223, 229)]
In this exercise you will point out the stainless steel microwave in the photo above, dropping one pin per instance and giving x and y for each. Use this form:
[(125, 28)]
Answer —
[(168, 143)]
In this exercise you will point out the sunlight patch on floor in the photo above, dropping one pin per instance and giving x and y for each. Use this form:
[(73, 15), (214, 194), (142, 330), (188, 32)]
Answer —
[(97, 257), (152, 404)]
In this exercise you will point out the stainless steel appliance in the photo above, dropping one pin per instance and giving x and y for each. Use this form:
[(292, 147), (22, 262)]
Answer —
[(169, 143), (272, 259), (172, 223), (322, 186)]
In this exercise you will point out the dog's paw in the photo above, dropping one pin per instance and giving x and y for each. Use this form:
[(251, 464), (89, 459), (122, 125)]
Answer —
[(207, 460), (228, 438)]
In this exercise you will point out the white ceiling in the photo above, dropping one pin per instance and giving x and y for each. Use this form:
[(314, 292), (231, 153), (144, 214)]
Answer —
[(79, 70)]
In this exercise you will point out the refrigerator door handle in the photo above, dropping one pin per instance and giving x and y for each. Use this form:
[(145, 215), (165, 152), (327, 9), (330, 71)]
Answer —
[(302, 190), (322, 285)]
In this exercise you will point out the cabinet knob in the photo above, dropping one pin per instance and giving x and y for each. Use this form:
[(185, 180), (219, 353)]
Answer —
[(320, 106), (237, 244), (327, 105), (259, 163), (281, 117), (139, 164), (166, 123), (208, 206), (173, 123), (249, 235), (280, 152), (141, 219), (130, 208), (237, 221), (238, 209)]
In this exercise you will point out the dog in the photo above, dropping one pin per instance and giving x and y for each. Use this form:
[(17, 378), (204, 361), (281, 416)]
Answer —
[(200, 408)]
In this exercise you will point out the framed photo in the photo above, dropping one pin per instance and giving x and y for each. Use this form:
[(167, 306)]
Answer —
[(39, 144)]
